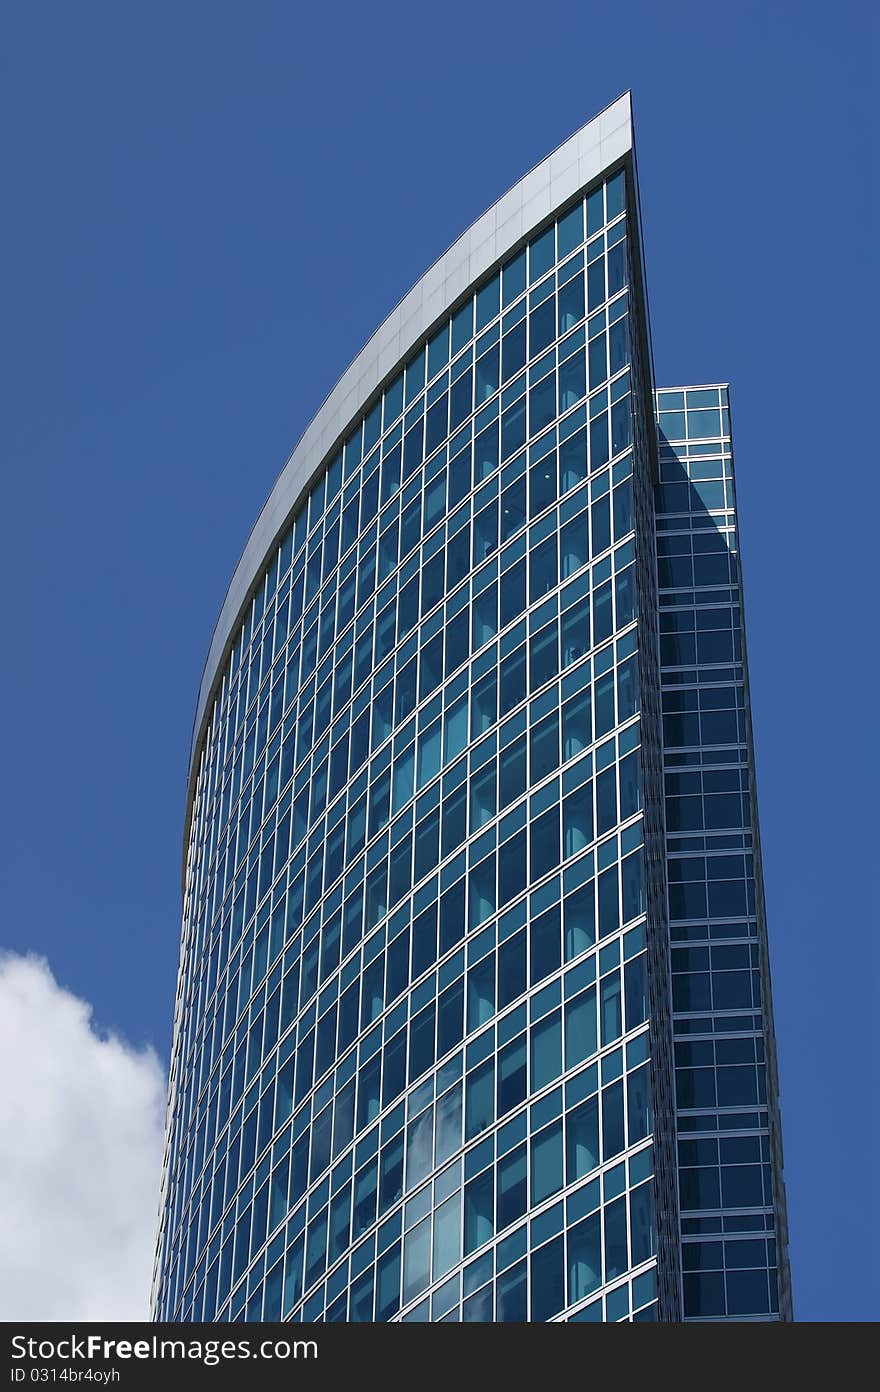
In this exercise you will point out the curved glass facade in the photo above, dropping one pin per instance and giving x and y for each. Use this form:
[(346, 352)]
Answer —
[(423, 1022)]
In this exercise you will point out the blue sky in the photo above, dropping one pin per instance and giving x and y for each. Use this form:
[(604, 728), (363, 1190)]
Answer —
[(208, 210)]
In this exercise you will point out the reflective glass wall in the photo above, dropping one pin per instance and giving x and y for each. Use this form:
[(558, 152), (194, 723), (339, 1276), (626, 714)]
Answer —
[(412, 1059), (732, 1203)]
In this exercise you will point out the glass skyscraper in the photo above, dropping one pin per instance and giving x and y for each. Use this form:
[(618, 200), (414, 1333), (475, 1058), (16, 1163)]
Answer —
[(473, 1013)]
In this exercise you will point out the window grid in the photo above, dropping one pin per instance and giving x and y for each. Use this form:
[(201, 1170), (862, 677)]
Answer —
[(544, 506), (724, 1127)]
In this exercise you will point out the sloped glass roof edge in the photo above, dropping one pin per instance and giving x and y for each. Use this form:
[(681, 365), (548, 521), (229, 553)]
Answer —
[(578, 161)]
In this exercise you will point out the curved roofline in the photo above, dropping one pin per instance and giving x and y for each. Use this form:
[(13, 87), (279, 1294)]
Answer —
[(578, 161)]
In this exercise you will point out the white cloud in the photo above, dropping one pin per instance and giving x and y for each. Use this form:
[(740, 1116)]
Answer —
[(81, 1119)]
